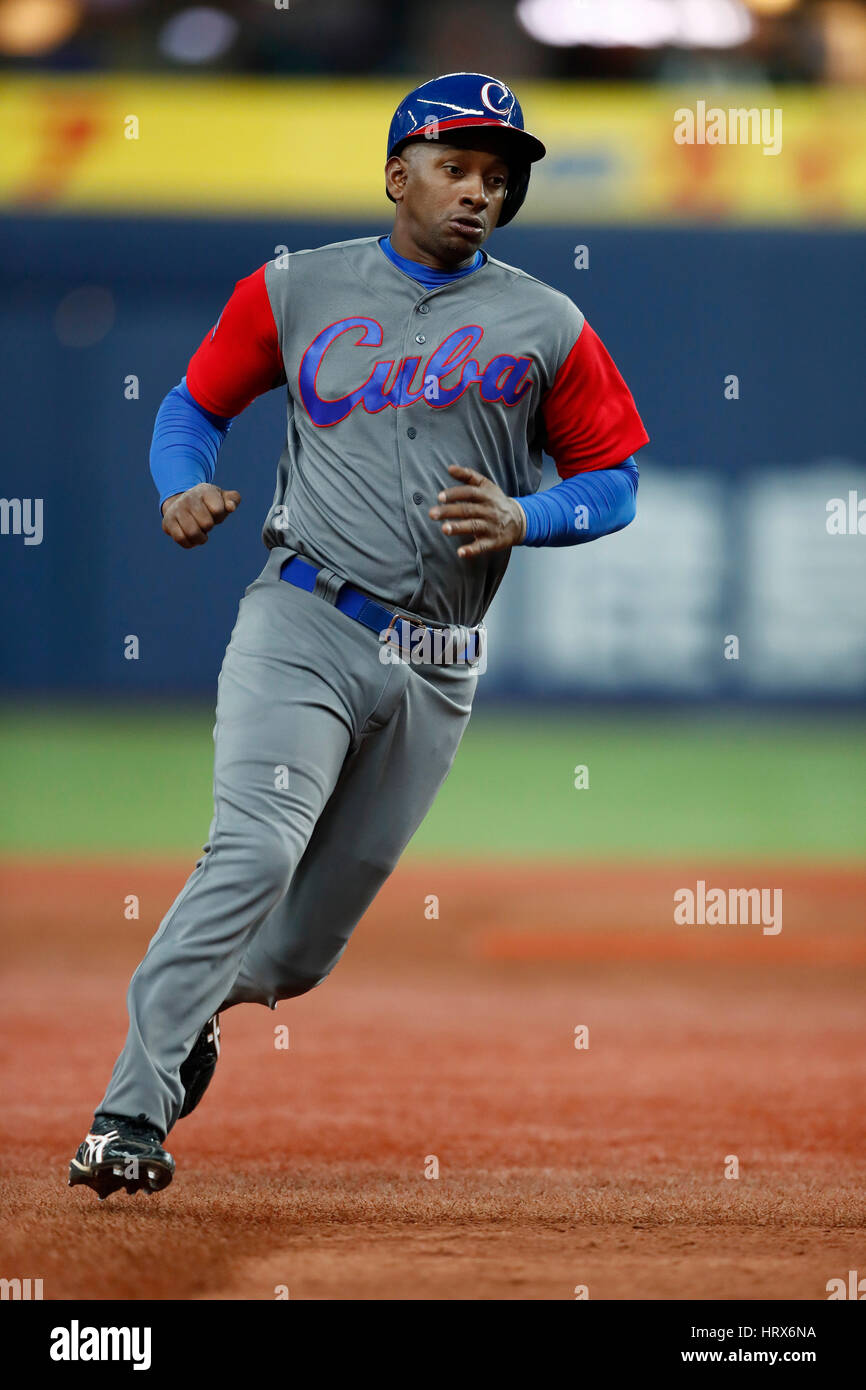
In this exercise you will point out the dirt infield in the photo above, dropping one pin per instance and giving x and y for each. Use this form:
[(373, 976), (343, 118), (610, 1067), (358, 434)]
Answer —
[(453, 1037)]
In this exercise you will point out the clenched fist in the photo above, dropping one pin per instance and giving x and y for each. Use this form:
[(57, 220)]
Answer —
[(188, 516), (480, 509)]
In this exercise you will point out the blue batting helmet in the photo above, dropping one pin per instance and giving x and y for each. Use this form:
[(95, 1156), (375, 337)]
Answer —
[(469, 101)]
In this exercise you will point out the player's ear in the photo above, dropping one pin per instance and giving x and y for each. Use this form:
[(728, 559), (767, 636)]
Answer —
[(396, 173)]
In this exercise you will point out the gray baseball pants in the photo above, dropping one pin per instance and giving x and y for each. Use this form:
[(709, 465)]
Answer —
[(326, 760)]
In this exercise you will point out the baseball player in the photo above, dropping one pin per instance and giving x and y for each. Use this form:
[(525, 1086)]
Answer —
[(423, 380)]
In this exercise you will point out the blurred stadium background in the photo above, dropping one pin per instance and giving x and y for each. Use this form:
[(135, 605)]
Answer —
[(257, 127), (150, 155)]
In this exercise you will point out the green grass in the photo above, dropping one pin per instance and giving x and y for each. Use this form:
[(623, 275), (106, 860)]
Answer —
[(104, 780)]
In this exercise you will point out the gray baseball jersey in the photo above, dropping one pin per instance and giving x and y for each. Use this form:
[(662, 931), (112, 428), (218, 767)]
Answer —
[(388, 383)]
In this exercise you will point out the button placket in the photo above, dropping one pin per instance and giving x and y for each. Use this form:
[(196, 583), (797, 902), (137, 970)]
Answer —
[(409, 463)]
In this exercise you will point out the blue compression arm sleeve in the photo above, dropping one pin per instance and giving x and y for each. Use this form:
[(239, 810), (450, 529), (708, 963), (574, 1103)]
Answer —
[(582, 508), (185, 445)]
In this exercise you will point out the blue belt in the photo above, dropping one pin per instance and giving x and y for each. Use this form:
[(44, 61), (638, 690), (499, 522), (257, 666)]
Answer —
[(379, 619)]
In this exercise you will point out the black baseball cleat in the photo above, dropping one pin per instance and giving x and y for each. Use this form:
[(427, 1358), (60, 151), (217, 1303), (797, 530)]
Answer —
[(121, 1152), (197, 1071)]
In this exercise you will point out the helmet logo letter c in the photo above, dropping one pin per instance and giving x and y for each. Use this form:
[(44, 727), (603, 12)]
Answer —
[(485, 97)]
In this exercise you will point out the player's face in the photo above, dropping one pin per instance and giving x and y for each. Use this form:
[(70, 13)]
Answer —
[(448, 198)]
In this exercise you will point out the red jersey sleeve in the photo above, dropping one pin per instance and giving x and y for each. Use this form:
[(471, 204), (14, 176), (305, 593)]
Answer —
[(240, 357), (590, 418)]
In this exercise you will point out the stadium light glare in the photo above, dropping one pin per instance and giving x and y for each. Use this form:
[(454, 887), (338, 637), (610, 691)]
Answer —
[(198, 35), (712, 23), (636, 23), (29, 28), (771, 8)]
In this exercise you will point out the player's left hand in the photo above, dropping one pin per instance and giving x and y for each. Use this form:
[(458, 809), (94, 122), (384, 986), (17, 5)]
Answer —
[(481, 509)]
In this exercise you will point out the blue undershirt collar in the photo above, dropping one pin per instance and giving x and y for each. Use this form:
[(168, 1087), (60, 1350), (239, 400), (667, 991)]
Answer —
[(425, 275)]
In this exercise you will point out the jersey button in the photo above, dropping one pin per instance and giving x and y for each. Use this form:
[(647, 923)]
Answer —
[(423, 308), (411, 431), (418, 497), (419, 338)]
